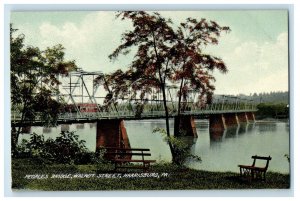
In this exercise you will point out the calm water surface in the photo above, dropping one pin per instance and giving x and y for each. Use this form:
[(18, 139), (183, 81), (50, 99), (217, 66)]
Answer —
[(221, 151)]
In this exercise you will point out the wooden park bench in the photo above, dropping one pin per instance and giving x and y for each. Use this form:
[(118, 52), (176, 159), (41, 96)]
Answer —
[(254, 172), (123, 158)]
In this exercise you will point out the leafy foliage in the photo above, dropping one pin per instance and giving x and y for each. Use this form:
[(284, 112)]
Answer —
[(287, 156), (34, 81), (181, 149), (34, 77), (65, 149), (166, 56)]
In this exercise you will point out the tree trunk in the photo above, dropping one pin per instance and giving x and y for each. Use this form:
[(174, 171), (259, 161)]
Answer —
[(14, 140), (163, 85), (15, 133), (177, 124), (167, 120)]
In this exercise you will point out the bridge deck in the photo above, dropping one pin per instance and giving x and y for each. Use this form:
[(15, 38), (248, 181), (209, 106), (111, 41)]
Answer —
[(69, 118)]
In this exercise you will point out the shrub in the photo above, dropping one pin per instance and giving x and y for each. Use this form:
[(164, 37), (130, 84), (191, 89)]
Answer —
[(65, 149), (181, 149)]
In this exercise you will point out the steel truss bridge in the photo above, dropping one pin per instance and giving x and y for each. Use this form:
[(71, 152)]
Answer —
[(87, 100)]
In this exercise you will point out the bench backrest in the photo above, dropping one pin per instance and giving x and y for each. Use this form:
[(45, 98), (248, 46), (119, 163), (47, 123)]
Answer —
[(125, 149), (261, 158), (113, 152)]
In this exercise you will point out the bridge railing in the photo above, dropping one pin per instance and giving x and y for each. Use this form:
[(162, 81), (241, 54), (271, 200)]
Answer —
[(147, 112)]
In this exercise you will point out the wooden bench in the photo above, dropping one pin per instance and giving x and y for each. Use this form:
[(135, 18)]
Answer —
[(122, 158), (254, 172)]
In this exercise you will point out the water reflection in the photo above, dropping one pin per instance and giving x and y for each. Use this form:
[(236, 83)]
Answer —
[(80, 126), (202, 125), (287, 127), (92, 125), (263, 128), (47, 130), (232, 132), (65, 127), (243, 128), (216, 135), (188, 140), (251, 126)]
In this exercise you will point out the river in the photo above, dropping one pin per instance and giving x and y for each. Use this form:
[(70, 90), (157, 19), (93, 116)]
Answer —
[(218, 151)]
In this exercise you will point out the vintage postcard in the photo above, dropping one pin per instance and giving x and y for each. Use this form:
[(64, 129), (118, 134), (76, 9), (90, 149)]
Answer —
[(149, 100)]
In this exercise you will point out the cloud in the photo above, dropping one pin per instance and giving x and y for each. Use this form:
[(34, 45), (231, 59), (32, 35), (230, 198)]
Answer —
[(89, 42), (253, 67)]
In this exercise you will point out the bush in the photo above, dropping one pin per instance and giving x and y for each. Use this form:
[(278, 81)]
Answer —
[(181, 149), (65, 149)]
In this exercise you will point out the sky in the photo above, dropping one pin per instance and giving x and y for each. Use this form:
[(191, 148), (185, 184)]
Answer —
[(255, 50)]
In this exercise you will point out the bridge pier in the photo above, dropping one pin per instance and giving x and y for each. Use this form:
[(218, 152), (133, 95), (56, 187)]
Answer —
[(185, 126), (217, 122), (220, 124), (111, 133), (250, 116), (243, 118), (231, 120)]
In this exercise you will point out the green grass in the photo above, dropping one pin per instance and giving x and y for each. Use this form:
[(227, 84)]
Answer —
[(177, 179)]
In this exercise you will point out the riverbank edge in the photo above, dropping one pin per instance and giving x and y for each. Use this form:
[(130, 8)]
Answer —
[(30, 175)]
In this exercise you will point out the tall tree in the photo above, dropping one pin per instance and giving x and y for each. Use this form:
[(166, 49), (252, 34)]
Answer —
[(167, 56), (153, 36), (191, 67), (34, 82)]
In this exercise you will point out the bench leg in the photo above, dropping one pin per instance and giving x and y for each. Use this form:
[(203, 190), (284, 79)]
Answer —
[(260, 175), (146, 166), (264, 176), (116, 166), (249, 174), (252, 175)]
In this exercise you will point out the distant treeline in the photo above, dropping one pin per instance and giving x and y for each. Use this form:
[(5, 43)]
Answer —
[(270, 105), (273, 104), (272, 97), (272, 110)]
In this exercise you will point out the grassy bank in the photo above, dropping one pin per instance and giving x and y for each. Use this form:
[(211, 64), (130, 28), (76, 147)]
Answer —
[(27, 174)]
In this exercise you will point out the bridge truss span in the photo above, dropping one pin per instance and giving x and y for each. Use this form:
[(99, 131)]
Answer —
[(84, 101)]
